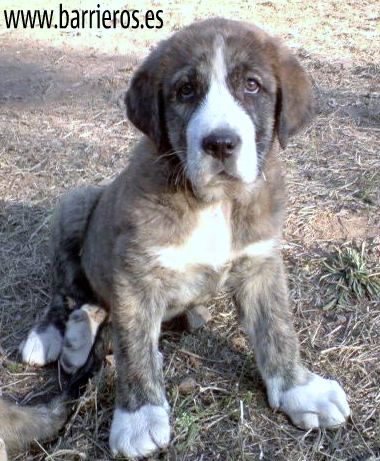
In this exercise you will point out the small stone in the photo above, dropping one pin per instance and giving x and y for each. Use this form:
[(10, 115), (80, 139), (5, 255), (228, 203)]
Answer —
[(187, 385), (195, 362), (341, 318)]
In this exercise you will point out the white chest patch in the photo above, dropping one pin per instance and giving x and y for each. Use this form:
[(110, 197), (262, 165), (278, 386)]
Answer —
[(209, 243)]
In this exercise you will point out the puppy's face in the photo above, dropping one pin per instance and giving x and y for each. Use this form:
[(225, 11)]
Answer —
[(216, 94), (220, 112)]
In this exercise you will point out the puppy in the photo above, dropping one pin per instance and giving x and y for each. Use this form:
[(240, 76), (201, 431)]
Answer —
[(200, 207)]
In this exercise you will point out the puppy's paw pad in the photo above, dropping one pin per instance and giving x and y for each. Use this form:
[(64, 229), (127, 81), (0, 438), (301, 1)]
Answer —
[(140, 433), (83, 325), (80, 333), (318, 403), (42, 346), (89, 312)]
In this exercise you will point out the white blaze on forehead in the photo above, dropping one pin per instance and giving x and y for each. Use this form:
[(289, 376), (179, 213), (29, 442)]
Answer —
[(219, 69), (220, 110)]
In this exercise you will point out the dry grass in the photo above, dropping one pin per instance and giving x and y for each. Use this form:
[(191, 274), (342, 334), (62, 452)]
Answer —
[(60, 127)]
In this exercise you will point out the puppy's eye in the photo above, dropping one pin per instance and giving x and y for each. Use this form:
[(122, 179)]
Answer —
[(186, 91), (252, 86)]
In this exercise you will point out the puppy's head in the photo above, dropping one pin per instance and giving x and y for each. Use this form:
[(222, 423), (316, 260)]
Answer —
[(217, 94)]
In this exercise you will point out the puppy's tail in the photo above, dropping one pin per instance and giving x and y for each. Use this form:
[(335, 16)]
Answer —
[(19, 425)]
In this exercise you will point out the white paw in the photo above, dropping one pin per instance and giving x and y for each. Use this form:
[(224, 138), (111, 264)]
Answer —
[(3, 451), (80, 333), (41, 346), (318, 403), (139, 433)]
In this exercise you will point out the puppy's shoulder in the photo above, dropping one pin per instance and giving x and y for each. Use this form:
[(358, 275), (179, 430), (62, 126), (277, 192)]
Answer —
[(144, 173)]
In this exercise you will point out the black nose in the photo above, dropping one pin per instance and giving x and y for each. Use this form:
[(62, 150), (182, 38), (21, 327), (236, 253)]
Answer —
[(221, 144)]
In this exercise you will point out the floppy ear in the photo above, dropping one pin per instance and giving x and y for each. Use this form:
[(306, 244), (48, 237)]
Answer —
[(295, 105), (144, 100)]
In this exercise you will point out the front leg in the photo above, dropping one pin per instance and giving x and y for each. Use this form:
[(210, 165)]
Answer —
[(141, 420), (261, 295)]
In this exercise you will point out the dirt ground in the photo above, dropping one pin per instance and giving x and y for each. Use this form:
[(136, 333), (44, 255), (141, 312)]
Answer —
[(61, 127)]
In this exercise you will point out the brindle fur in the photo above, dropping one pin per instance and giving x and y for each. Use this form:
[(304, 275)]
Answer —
[(146, 207), (104, 236), (67, 237)]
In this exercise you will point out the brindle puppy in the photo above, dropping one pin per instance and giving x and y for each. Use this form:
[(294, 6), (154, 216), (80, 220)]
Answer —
[(200, 207)]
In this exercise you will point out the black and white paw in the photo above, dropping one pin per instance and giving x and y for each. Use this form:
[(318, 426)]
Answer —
[(42, 345), (317, 403), (80, 333), (140, 433)]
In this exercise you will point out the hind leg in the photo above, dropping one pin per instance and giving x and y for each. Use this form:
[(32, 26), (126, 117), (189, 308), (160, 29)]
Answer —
[(45, 341), (64, 335)]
